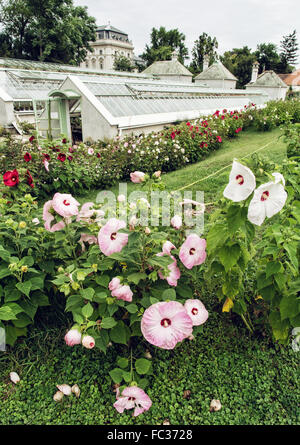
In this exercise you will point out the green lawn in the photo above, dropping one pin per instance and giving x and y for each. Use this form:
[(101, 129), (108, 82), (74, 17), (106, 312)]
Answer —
[(255, 380), (244, 145)]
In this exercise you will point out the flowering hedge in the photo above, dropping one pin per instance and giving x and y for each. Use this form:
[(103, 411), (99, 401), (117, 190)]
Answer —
[(132, 285), (58, 166)]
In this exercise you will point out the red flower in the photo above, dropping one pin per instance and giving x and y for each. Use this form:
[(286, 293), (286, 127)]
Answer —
[(31, 139), (46, 156), (64, 141), (11, 178), (222, 117), (188, 124), (219, 139), (70, 158), (172, 135), (27, 157), (71, 150), (98, 155), (29, 179), (61, 157)]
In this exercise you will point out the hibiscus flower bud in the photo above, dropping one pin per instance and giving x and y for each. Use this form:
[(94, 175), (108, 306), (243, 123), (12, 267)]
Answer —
[(24, 269), (73, 337), (147, 231), (88, 342), (65, 389), (137, 177), (58, 396), (215, 405), (14, 377), (147, 354), (22, 225), (76, 390)]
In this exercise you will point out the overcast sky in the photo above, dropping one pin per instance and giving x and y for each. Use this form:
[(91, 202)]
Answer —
[(234, 23)]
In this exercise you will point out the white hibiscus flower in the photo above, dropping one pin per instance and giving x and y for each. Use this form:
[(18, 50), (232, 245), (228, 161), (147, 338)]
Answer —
[(241, 183)]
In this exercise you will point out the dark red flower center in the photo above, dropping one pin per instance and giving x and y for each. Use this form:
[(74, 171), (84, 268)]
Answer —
[(195, 311), (239, 179), (265, 196), (113, 236), (192, 251), (66, 203), (131, 399), (165, 322)]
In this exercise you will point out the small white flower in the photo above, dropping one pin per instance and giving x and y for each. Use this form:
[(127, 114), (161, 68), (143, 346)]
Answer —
[(58, 396), (75, 389), (65, 389), (14, 377), (215, 405)]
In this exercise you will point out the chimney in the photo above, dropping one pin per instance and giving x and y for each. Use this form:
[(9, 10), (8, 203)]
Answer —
[(255, 67), (174, 55), (205, 62)]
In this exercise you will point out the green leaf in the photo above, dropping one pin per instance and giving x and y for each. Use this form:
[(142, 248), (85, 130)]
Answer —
[(169, 294), (118, 333), (108, 323), (116, 375), (122, 362), (273, 267), (132, 308), (289, 307), (229, 255), (87, 310), (24, 287), (217, 235), (136, 277), (88, 293), (142, 366), (6, 313), (103, 280)]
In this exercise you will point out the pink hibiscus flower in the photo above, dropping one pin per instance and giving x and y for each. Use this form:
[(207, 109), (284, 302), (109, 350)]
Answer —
[(48, 218), (164, 324), (197, 311), (123, 293), (192, 252), (132, 397), (110, 241), (87, 238), (65, 205)]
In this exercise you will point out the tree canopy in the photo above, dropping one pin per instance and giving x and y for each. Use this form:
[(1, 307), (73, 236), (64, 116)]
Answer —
[(289, 49), (48, 30), (163, 43), (204, 45)]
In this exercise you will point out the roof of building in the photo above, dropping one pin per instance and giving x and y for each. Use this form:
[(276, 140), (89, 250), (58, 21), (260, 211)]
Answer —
[(291, 79), (268, 79), (167, 68), (216, 71), (110, 28), (33, 65)]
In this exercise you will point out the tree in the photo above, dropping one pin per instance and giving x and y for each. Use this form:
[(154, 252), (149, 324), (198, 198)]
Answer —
[(267, 57), (289, 49), (239, 62), (122, 63), (48, 30), (204, 45), (163, 43)]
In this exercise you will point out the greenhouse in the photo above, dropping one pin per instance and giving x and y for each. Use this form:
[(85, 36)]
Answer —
[(83, 104), (106, 108)]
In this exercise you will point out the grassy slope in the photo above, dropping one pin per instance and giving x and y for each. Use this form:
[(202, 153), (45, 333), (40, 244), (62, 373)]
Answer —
[(244, 145), (255, 381)]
